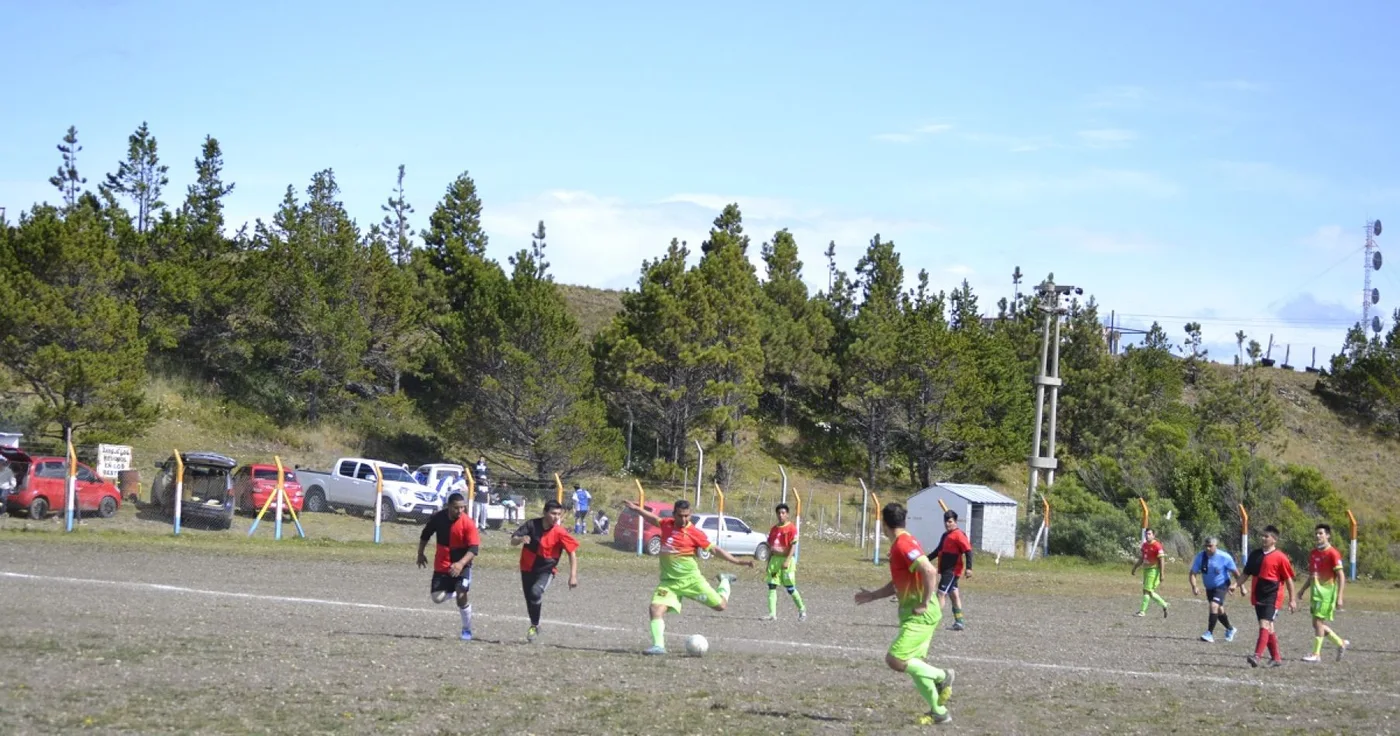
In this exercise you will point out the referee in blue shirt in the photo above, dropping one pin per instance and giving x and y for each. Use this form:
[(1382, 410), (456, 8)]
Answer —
[(1215, 566)]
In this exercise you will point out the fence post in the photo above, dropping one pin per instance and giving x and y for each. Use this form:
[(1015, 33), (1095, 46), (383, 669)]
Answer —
[(179, 489), (878, 529), (719, 527), (70, 484), (699, 473), (641, 523), (1353, 543), (797, 553), (378, 500), (864, 510), (1244, 534)]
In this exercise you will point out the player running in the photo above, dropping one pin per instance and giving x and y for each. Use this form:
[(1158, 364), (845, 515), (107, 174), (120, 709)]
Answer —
[(782, 564), (1215, 566), (457, 545), (1272, 572), (542, 542), (912, 579), (680, 574), (952, 551), (1328, 584), (1152, 559)]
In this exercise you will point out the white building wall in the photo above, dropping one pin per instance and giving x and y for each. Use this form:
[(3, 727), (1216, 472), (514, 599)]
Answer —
[(999, 530)]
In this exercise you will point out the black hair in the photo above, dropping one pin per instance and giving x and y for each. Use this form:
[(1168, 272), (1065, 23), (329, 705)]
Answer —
[(781, 507), (1271, 529), (680, 505), (551, 505), (893, 515), (1325, 527), (455, 496), (1147, 529), (950, 515)]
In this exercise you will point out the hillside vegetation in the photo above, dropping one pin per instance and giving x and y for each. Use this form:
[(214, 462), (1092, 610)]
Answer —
[(309, 336)]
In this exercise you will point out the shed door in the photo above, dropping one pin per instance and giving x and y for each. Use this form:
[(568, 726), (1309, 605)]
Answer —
[(977, 513)]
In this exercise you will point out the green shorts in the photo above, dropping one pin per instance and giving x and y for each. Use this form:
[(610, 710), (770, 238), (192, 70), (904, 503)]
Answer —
[(1151, 578), (1324, 601), (915, 633), (778, 576), (672, 590)]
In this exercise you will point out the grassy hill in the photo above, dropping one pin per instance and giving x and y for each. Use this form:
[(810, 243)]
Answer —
[(593, 308)]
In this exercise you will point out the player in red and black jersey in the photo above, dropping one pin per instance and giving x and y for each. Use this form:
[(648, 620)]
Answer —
[(543, 541), (953, 550), (1273, 572), (457, 545)]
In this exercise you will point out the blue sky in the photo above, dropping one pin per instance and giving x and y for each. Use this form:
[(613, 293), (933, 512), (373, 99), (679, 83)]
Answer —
[(1202, 160)]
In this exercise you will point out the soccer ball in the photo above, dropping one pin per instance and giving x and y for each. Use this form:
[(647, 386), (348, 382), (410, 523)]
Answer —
[(696, 645)]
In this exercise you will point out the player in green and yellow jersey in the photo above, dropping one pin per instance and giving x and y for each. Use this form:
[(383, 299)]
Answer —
[(1328, 583)]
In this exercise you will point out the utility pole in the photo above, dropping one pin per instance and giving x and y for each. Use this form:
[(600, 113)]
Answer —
[(1050, 296)]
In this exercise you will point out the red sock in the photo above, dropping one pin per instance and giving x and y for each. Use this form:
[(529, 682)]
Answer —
[(1262, 644), (1273, 645)]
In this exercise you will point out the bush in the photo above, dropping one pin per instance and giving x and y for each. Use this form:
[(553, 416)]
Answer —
[(1097, 537)]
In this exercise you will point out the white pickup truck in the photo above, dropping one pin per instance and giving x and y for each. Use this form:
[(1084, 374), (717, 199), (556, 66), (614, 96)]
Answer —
[(496, 513), (350, 485)]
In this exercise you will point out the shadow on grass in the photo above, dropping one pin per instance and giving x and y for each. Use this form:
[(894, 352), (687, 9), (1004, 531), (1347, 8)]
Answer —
[(791, 715), (599, 650)]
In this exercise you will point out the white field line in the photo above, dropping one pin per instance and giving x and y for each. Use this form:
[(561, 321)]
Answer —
[(1213, 679)]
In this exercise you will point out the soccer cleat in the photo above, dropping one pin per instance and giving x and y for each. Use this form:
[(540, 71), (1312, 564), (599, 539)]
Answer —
[(1208, 637), (1140, 614), (769, 617), (654, 650), (1312, 658), (1275, 663), (802, 615), (731, 577), (1230, 634), (945, 689), (1346, 644), (531, 633), (466, 634), (957, 626), (1164, 611), (935, 719), (1253, 660)]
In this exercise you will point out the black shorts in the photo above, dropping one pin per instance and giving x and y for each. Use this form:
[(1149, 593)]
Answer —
[(947, 582), (534, 584), (581, 514), (1217, 595), (446, 583), (1265, 611)]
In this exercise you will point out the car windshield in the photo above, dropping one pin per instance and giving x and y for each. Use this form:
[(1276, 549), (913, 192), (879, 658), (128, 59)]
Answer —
[(396, 474), (271, 474)]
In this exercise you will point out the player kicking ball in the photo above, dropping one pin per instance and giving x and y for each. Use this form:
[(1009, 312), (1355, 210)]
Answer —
[(913, 580), (782, 564), (680, 574), (542, 542), (1328, 584), (457, 545)]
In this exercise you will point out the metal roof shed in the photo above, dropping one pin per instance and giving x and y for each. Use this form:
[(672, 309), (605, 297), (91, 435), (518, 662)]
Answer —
[(987, 517)]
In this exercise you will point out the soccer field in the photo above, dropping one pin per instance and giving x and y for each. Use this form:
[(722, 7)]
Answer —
[(122, 638)]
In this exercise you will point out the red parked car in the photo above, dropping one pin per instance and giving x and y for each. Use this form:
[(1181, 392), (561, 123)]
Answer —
[(253, 484), (41, 487), (625, 532)]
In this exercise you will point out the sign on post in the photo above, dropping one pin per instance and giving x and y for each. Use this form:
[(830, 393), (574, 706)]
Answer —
[(112, 459)]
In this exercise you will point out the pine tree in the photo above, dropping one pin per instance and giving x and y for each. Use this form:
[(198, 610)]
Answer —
[(141, 177), (871, 366), (796, 331), (395, 223), (67, 180)]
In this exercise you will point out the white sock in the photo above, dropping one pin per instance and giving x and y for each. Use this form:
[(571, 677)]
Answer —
[(466, 617)]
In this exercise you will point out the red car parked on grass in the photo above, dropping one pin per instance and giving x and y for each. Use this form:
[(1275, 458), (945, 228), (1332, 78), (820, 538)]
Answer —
[(625, 533), (254, 483), (41, 487)]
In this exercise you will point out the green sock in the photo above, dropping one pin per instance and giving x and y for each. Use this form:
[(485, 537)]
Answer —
[(1146, 599), (773, 602), (1317, 645), (1331, 636), (658, 632), (723, 587), (797, 598), (957, 614), (1160, 601), (926, 678)]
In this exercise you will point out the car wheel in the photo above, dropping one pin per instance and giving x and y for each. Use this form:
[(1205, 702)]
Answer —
[(387, 514), (654, 546), (107, 507), (315, 501), (760, 553), (245, 503), (38, 508)]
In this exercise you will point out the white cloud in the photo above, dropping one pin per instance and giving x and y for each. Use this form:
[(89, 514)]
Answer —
[(1012, 143), (913, 135), (1092, 241), (1107, 137), (1038, 185), (601, 241), (959, 270), (1122, 96), (1262, 177)]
